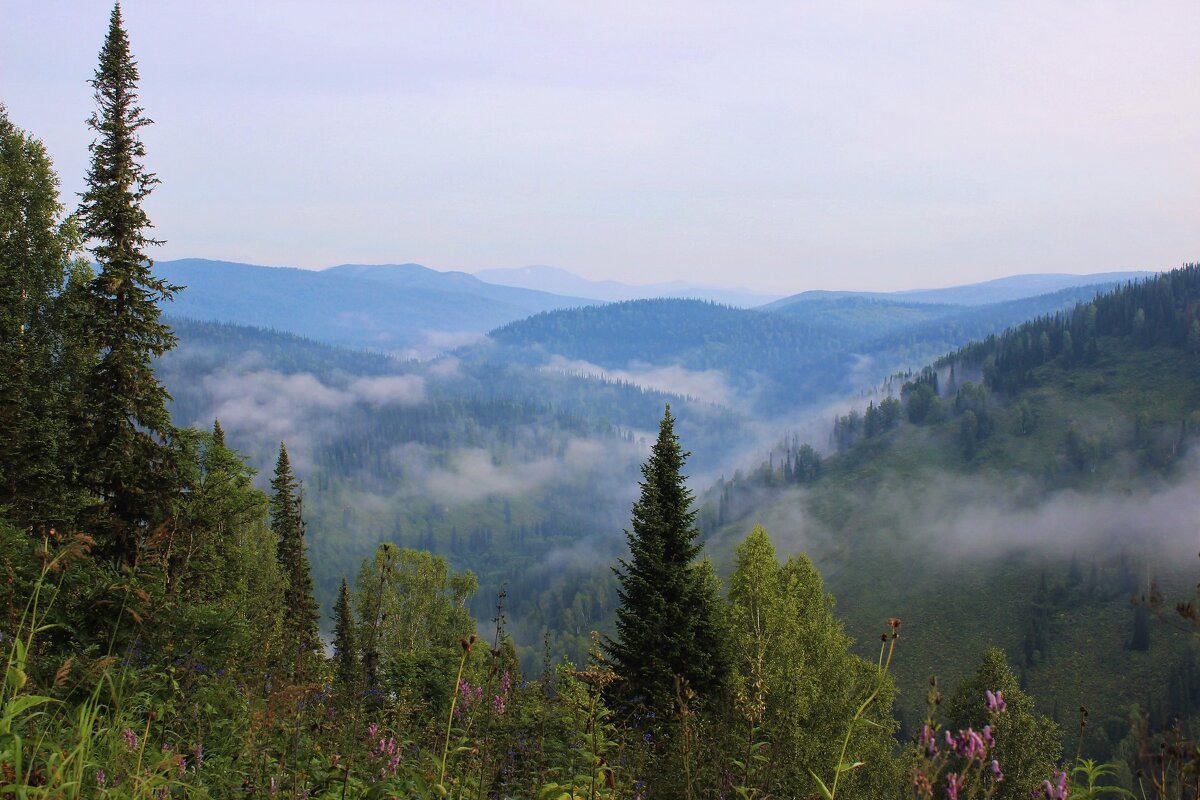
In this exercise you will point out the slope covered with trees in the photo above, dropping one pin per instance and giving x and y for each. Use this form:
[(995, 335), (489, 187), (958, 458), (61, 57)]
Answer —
[(795, 357), (1020, 491)]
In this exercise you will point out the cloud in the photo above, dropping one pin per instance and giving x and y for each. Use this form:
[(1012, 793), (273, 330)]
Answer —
[(262, 407), (707, 385), (390, 389), (965, 518), (435, 343), (473, 474)]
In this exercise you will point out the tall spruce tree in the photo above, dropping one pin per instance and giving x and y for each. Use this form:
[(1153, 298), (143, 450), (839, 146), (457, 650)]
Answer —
[(126, 456), (301, 614), (666, 618), (345, 652)]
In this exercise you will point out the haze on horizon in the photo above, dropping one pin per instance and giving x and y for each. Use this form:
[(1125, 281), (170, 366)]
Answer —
[(869, 145)]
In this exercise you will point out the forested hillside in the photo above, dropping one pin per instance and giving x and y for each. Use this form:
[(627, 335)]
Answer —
[(794, 358), (1019, 492)]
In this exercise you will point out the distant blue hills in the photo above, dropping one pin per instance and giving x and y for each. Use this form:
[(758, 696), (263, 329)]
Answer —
[(560, 281), (1013, 287), (405, 308), (413, 310)]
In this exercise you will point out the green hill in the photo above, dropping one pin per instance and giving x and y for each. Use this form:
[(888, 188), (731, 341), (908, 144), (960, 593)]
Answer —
[(1047, 481)]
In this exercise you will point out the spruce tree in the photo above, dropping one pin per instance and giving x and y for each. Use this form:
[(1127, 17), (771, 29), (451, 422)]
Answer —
[(126, 455), (300, 611), (665, 618), (345, 653)]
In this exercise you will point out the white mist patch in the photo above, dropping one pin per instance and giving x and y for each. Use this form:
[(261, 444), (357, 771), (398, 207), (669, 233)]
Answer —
[(390, 390), (708, 385), (265, 407), (269, 401), (976, 520), (473, 474), (436, 343)]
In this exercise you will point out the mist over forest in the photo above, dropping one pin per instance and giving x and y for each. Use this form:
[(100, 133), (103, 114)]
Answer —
[(383, 530)]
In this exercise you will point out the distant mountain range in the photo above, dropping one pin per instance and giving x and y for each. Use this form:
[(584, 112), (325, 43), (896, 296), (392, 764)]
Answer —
[(1014, 287), (401, 308), (560, 281), (824, 347), (415, 311)]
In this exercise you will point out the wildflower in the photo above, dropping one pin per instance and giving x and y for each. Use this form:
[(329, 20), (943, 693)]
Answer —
[(954, 784), (920, 783), (198, 755), (996, 773), (131, 739), (970, 745), (995, 701), (1058, 789), (928, 740), (101, 778)]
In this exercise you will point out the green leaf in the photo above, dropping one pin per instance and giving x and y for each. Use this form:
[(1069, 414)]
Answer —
[(16, 679), (828, 795), (20, 705)]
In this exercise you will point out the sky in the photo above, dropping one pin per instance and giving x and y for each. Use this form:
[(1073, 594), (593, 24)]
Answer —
[(774, 146)]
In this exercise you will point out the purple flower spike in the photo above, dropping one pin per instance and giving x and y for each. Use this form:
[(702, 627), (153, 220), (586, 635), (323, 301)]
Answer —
[(995, 701), (1058, 789), (954, 784), (928, 741)]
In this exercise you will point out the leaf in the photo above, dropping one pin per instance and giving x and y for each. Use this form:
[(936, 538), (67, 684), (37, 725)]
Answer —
[(844, 767), (828, 795), (15, 679), (20, 705)]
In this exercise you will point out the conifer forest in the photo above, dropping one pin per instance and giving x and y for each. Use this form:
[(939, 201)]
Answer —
[(846, 546)]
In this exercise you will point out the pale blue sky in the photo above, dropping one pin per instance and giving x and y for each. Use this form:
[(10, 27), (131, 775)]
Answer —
[(779, 146)]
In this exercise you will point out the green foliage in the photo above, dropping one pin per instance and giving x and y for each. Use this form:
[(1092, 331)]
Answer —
[(301, 612), (125, 431), (1027, 745), (345, 650), (667, 619), (37, 249), (412, 617), (796, 682)]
